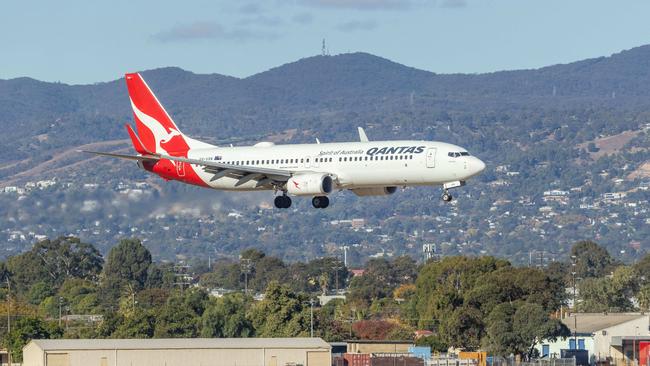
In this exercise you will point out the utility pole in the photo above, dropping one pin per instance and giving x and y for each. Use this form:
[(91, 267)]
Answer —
[(60, 313), (351, 320), (345, 255), (311, 304), (8, 317), (246, 269), (636, 332), (575, 314), (8, 306), (336, 269)]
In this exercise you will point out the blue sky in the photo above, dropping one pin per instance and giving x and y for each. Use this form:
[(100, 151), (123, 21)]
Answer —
[(82, 42)]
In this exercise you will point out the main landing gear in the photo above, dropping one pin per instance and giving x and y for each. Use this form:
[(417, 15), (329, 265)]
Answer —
[(282, 201), (320, 201)]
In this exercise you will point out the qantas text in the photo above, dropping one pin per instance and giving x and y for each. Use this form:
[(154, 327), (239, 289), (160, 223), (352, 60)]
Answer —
[(395, 150)]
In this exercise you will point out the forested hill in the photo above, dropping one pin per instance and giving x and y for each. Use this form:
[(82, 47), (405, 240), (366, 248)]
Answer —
[(289, 96), (578, 125)]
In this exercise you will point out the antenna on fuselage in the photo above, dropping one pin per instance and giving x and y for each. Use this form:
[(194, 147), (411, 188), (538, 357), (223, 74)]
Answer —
[(317, 140)]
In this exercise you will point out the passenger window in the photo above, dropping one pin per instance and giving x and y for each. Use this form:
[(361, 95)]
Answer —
[(302, 161), (308, 160), (340, 160)]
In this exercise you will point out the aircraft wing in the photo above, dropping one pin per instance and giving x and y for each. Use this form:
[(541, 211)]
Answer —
[(263, 176)]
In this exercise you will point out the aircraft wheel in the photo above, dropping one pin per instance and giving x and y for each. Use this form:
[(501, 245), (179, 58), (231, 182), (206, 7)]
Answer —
[(447, 197), (320, 201), (282, 202)]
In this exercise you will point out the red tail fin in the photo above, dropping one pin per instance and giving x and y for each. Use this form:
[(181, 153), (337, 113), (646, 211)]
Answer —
[(158, 132)]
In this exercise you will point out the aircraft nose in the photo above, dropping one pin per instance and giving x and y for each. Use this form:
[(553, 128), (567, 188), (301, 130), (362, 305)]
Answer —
[(478, 166)]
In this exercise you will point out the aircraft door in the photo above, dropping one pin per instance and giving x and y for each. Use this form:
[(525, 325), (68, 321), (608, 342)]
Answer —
[(431, 157), (180, 168)]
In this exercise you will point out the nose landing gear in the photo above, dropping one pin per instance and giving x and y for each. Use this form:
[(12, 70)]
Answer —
[(446, 196)]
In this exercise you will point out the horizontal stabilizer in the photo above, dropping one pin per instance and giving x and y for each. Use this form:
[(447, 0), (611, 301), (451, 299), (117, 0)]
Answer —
[(123, 156), (137, 144)]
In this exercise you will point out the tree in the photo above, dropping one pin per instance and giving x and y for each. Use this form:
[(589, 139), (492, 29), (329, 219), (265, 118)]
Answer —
[(592, 260), (176, 320), (226, 318), (609, 294), (533, 324), (373, 329), (642, 268), (127, 263), (52, 261), (24, 330), (501, 338), (282, 313), (442, 286), (515, 328), (464, 328), (137, 325)]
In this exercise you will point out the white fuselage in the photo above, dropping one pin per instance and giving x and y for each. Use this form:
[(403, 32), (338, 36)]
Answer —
[(352, 164)]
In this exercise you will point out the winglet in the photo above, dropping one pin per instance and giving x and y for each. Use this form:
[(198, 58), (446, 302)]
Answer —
[(362, 135), (137, 144)]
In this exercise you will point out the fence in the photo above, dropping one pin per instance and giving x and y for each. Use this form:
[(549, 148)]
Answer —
[(502, 361), (450, 362)]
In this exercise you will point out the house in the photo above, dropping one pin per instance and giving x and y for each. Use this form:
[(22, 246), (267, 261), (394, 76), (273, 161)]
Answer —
[(617, 337)]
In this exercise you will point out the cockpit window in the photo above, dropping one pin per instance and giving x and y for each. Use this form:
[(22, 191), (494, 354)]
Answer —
[(457, 154)]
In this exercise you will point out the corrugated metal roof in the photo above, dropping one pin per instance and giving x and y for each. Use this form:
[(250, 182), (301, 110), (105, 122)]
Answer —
[(179, 343), (593, 322)]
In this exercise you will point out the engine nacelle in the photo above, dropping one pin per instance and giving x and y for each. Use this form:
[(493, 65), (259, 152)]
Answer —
[(376, 191), (310, 185)]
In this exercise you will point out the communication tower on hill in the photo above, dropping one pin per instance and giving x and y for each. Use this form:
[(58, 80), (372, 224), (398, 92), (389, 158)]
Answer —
[(324, 50), (430, 252)]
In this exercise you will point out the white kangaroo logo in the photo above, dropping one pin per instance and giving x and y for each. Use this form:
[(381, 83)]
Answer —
[(159, 132)]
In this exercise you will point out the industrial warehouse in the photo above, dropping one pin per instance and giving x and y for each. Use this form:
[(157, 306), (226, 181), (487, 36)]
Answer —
[(178, 352)]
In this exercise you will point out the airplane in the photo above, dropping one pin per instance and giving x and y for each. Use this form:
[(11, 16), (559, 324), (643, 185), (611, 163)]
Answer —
[(367, 168)]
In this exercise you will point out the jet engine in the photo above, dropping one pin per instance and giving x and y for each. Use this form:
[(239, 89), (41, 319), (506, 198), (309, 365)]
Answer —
[(310, 184), (376, 191)]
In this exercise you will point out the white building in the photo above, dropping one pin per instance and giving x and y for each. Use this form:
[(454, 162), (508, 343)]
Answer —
[(605, 336)]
